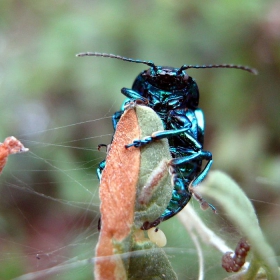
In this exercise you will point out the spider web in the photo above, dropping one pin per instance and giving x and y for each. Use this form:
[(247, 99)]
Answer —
[(50, 212)]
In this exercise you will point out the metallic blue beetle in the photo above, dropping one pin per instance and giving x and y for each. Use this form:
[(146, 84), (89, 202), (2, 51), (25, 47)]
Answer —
[(174, 96)]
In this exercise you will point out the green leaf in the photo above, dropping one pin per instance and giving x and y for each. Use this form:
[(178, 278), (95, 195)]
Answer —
[(123, 183), (154, 161), (152, 262)]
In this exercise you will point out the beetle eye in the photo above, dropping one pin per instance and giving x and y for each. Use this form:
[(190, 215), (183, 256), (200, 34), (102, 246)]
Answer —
[(186, 77), (146, 74)]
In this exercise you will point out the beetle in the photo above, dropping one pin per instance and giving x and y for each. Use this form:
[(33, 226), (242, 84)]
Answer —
[(174, 96)]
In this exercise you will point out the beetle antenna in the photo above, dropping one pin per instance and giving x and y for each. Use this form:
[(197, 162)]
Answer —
[(149, 63), (241, 67)]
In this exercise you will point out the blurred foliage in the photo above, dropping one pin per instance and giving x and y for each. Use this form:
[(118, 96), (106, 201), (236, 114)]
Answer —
[(59, 106)]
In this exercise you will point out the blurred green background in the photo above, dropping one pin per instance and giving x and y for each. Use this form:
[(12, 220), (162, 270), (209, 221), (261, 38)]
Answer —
[(60, 107)]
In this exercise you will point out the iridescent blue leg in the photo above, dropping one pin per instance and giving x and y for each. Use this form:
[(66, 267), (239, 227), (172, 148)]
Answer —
[(200, 155), (133, 94), (100, 168), (203, 173), (194, 144), (116, 117)]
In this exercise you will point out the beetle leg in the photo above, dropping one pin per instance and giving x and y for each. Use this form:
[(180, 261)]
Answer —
[(194, 144), (130, 93), (116, 117), (102, 145), (100, 168), (200, 155), (203, 173), (203, 204)]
